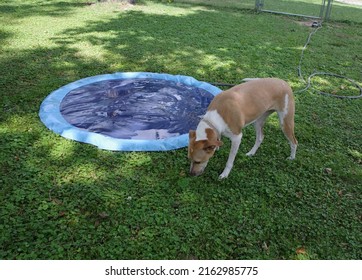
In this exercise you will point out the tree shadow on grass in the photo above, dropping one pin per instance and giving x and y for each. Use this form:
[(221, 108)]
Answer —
[(204, 44), (21, 9), (4, 35)]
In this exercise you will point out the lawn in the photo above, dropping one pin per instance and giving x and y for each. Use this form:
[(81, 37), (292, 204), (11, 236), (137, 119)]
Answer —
[(62, 199)]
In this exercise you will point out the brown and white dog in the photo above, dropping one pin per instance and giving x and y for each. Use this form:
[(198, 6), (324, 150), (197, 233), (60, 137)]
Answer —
[(248, 103)]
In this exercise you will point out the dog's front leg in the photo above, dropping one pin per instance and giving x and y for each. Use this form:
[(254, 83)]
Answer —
[(235, 143)]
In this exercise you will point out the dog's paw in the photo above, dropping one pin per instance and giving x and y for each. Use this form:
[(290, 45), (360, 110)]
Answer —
[(290, 158), (224, 175), (250, 154)]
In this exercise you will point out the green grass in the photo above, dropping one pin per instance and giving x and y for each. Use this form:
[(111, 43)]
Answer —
[(65, 200)]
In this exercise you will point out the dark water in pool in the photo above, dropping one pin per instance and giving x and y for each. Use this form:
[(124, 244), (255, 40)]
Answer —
[(136, 108)]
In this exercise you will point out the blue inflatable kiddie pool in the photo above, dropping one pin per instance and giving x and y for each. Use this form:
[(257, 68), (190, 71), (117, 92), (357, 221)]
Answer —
[(128, 111)]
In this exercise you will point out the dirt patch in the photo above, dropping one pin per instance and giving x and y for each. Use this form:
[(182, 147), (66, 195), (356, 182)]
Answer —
[(308, 23)]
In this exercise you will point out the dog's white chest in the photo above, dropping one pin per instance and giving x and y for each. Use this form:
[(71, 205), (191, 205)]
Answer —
[(217, 121)]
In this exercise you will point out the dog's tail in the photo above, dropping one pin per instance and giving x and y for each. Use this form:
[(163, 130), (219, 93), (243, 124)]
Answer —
[(232, 85), (249, 79)]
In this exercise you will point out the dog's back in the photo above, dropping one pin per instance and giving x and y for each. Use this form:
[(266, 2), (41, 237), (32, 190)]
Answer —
[(244, 103)]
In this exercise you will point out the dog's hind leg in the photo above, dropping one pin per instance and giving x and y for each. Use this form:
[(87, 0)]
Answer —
[(286, 119), (259, 124), (288, 129)]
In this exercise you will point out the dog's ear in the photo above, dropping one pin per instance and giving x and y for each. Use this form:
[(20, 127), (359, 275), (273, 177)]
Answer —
[(192, 134), (219, 143), (215, 144), (211, 134), (211, 146)]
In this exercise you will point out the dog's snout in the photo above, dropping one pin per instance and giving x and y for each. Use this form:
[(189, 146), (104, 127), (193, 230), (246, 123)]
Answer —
[(192, 173), (197, 168), (192, 170)]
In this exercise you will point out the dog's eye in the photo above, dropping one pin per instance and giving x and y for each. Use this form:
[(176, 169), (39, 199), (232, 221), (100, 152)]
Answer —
[(197, 162)]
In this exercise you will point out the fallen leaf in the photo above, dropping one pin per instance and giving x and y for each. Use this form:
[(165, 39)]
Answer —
[(301, 251), (61, 214), (103, 215), (328, 170), (57, 201), (299, 194)]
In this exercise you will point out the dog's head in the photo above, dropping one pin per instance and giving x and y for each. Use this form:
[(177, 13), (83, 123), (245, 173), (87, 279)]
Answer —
[(201, 151)]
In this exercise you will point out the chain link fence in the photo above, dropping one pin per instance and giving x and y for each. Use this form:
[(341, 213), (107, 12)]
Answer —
[(335, 10)]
